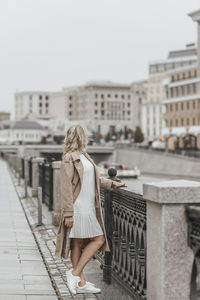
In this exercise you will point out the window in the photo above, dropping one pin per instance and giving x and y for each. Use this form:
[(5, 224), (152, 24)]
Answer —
[(182, 106), (96, 103), (176, 122), (182, 122), (40, 97), (188, 105), (122, 96), (102, 96), (70, 97), (102, 112), (108, 95), (96, 95), (128, 112), (116, 96), (171, 107), (40, 104), (128, 104), (70, 113), (176, 106), (47, 97), (194, 104), (96, 111), (188, 121), (47, 104), (194, 121), (70, 105), (30, 97), (102, 104)]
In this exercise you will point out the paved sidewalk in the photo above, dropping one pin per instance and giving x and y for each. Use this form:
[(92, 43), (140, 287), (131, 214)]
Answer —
[(23, 275)]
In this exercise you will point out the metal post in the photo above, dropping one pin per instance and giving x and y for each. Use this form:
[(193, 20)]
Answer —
[(108, 215), (39, 206), (25, 187), (19, 177)]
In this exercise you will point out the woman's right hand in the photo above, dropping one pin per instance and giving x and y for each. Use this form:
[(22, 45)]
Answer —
[(69, 222)]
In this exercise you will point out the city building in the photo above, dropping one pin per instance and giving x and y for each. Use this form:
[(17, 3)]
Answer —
[(4, 115), (182, 104), (47, 108), (152, 106), (103, 106), (21, 132)]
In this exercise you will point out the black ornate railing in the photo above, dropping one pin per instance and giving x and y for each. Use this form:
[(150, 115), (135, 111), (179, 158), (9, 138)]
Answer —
[(30, 171), (125, 221), (193, 216), (46, 182)]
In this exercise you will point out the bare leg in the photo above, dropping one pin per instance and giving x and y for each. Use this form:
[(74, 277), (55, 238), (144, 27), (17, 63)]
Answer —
[(88, 252), (75, 256)]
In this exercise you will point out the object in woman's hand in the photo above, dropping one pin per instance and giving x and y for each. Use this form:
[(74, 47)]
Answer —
[(116, 184)]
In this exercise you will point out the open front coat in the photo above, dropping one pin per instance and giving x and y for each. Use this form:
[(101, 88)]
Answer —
[(71, 176)]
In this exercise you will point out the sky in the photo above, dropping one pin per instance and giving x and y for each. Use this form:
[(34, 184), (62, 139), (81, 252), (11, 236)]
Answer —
[(50, 44)]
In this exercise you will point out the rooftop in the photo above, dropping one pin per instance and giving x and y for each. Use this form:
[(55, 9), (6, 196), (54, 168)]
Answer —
[(23, 124)]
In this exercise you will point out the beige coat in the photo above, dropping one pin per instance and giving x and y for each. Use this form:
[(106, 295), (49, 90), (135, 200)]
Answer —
[(71, 175)]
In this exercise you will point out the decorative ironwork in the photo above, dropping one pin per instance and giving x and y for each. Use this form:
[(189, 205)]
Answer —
[(125, 221), (30, 171), (193, 216), (22, 167), (48, 185)]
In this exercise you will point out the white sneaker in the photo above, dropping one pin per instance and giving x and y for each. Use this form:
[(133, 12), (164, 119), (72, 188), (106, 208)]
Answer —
[(87, 288), (90, 283), (72, 281)]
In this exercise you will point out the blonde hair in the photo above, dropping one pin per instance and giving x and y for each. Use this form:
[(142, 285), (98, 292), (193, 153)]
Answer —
[(76, 139)]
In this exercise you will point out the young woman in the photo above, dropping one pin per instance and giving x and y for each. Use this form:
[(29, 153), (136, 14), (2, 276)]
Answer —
[(81, 227)]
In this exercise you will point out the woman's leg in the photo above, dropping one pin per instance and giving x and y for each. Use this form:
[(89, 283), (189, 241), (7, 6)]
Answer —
[(75, 256), (88, 253)]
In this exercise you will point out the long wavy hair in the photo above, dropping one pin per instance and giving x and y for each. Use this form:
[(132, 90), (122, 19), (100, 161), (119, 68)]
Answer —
[(76, 139)]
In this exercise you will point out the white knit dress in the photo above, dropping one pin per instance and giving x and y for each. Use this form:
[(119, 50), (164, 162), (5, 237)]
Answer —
[(85, 223)]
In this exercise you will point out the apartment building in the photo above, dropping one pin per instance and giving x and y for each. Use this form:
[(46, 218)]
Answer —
[(47, 108), (103, 106), (152, 107), (182, 103)]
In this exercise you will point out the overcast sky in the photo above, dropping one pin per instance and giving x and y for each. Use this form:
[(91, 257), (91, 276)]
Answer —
[(51, 44)]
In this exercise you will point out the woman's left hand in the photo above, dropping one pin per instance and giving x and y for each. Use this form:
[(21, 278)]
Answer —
[(116, 184)]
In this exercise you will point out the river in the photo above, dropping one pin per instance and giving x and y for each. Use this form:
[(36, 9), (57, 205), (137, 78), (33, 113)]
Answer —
[(136, 185)]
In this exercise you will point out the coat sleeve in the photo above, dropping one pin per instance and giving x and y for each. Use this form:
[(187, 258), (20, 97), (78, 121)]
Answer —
[(105, 183), (66, 175)]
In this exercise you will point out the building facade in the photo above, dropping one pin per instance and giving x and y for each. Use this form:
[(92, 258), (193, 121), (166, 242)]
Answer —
[(47, 108), (4, 116), (152, 107), (21, 132), (103, 106), (182, 104)]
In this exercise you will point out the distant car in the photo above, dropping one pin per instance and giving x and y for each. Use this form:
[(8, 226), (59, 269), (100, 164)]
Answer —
[(122, 170), (158, 145)]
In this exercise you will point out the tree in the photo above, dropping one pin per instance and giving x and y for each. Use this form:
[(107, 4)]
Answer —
[(139, 137)]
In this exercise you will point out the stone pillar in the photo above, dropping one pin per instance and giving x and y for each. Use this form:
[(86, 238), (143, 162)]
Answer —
[(35, 174), (56, 193), (169, 258)]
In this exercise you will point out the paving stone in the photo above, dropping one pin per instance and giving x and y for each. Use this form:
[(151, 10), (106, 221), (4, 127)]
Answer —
[(12, 297)]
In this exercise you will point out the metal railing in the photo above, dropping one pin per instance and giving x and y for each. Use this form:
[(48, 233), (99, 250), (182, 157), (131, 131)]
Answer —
[(46, 182), (125, 221)]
